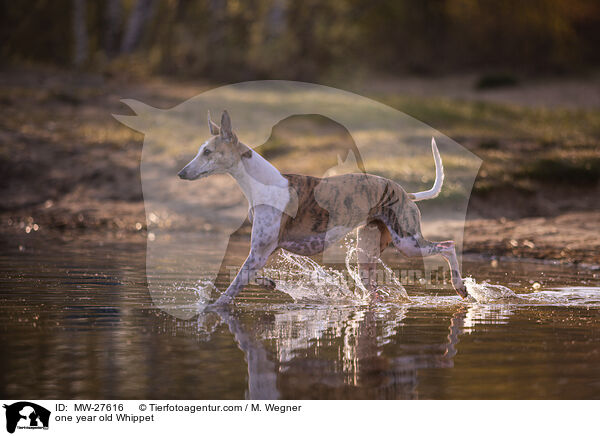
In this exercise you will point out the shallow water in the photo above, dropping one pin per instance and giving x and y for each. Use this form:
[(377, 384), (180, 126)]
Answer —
[(77, 321)]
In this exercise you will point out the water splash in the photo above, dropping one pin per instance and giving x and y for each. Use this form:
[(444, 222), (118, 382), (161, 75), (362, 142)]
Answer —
[(305, 280), (488, 293), (204, 290), (195, 295), (394, 290)]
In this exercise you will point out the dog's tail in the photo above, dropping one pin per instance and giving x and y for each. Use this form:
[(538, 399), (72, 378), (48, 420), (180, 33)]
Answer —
[(439, 177)]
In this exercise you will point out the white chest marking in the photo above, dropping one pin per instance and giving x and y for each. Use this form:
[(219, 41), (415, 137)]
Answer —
[(262, 183)]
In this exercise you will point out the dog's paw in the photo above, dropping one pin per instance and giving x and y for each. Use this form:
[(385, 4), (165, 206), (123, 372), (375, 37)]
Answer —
[(462, 292), (266, 282)]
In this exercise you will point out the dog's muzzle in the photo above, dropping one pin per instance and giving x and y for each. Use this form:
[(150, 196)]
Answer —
[(183, 174)]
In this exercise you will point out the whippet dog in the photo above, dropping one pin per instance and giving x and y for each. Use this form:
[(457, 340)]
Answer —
[(305, 215)]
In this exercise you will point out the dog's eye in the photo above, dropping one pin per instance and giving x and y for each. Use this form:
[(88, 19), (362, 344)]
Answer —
[(207, 152)]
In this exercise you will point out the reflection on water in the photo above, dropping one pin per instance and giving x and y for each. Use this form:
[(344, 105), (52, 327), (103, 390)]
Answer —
[(335, 354), (78, 322)]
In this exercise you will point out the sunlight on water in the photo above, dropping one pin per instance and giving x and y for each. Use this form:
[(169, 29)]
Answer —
[(199, 295), (204, 289), (486, 293), (486, 314), (588, 297), (265, 346), (294, 330), (303, 279), (306, 281), (394, 291)]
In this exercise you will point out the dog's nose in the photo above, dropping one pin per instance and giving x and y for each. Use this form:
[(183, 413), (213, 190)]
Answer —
[(182, 174)]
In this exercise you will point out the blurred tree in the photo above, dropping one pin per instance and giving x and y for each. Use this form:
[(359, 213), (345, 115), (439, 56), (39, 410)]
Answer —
[(138, 19), (235, 40), (80, 32), (114, 21), (277, 19)]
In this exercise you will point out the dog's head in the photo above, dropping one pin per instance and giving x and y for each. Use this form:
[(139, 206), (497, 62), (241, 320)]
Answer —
[(218, 155)]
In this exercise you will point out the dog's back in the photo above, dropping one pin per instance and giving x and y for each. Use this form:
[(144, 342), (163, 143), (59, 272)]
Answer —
[(346, 201)]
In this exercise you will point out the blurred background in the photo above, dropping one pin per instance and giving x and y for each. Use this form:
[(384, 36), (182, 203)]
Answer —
[(232, 40), (515, 82)]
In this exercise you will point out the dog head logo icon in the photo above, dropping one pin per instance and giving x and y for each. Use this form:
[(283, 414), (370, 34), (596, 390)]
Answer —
[(26, 415)]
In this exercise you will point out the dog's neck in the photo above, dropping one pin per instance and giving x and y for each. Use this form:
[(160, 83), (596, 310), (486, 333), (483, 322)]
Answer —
[(257, 177)]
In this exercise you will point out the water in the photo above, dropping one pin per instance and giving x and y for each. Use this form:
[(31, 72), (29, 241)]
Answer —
[(76, 321), (304, 279)]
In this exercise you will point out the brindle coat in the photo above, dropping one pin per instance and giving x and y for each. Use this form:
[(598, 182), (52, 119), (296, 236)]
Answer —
[(344, 202)]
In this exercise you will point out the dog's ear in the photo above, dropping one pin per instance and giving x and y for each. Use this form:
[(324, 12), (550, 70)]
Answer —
[(212, 127), (226, 130)]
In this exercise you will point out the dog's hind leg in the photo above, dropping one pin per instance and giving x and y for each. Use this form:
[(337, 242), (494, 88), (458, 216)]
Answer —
[(416, 245), (372, 238)]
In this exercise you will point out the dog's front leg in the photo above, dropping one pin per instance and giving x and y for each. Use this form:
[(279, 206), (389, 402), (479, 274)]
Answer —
[(265, 233), (254, 262)]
